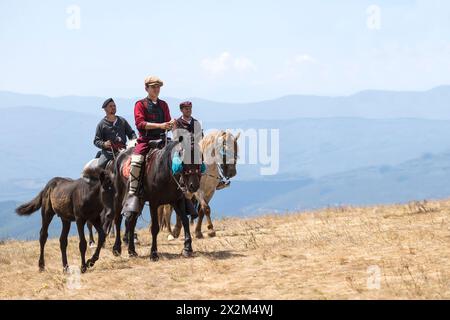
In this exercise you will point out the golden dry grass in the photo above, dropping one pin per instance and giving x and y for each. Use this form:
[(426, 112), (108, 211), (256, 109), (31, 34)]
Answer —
[(335, 253)]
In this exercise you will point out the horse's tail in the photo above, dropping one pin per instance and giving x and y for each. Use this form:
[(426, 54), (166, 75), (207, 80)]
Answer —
[(28, 208)]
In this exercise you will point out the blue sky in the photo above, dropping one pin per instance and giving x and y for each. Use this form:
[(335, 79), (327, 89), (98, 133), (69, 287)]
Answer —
[(224, 50)]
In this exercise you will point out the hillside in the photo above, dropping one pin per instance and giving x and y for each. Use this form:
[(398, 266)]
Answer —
[(335, 253)]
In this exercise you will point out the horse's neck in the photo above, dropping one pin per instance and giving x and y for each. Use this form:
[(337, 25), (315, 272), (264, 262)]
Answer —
[(212, 169), (91, 190)]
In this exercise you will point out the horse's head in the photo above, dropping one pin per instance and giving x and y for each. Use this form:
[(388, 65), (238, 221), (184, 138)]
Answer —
[(191, 157), (226, 151), (107, 196)]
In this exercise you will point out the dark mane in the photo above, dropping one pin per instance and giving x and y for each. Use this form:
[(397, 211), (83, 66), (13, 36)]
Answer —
[(92, 174), (166, 153)]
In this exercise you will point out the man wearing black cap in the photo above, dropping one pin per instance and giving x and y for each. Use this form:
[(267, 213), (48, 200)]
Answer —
[(111, 134)]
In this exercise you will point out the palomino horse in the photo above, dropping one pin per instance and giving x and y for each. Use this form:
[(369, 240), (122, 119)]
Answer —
[(90, 198), (220, 150), (160, 187)]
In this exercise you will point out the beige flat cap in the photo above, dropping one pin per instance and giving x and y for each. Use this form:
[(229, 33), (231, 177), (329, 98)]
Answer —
[(152, 81)]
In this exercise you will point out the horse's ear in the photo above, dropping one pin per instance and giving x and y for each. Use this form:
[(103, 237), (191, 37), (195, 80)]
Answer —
[(237, 136)]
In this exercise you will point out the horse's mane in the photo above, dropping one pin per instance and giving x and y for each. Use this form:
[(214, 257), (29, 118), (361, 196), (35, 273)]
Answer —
[(210, 139), (166, 153), (92, 173)]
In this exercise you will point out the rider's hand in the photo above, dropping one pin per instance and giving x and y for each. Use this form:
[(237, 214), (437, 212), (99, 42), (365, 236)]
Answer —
[(107, 144), (166, 126)]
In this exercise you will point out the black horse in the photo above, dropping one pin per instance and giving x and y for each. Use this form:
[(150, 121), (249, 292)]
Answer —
[(160, 187)]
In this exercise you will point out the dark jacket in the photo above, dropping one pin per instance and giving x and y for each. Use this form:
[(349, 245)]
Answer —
[(145, 111), (116, 132)]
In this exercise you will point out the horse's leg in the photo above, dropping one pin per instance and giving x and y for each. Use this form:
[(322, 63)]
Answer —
[(198, 227), (180, 209), (195, 203), (168, 217), (132, 219), (155, 230), (161, 217), (177, 229), (101, 240), (63, 243), (117, 248), (91, 235), (83, 244), (47, 216), (211, 231), (127, 229)]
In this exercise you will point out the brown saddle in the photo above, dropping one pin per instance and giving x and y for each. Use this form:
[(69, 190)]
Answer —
[(149, 159)]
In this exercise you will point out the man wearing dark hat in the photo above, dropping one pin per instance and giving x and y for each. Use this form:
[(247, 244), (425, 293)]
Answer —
[(111, 134)]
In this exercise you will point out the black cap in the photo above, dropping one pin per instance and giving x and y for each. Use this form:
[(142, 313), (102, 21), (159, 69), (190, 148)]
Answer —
[(105, 104)]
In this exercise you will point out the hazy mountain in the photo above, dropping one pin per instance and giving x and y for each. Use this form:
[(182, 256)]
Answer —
[(331, 153), (42, 143), (424, 178), (432, 104)]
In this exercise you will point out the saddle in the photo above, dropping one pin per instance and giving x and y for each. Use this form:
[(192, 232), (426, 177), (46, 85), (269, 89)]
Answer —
[(155, 145)]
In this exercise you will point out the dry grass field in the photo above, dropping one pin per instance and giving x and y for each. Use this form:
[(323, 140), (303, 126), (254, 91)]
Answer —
[(379, 252)]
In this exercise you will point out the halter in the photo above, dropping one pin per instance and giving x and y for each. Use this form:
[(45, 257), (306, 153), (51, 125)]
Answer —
[(187, 172), (224, 159)]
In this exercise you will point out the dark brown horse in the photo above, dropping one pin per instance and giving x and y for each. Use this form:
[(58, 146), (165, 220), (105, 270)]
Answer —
[(90, 198), (160, 187)]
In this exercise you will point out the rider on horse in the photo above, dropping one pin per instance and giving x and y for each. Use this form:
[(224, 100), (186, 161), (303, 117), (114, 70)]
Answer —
[(152, 118), (111, 134)]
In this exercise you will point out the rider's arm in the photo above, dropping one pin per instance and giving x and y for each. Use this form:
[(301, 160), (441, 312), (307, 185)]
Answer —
[(149, 126), (98, 140)]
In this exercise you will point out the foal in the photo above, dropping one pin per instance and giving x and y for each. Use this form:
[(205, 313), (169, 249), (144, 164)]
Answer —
[(90, 198)]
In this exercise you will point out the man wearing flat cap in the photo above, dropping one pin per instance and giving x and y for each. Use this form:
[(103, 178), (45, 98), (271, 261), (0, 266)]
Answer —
[(111, 133), (152, 119)]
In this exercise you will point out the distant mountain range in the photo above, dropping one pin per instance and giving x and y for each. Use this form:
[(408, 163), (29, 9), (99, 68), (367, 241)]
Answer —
[(422, 178), (369, 148), (432, 104)]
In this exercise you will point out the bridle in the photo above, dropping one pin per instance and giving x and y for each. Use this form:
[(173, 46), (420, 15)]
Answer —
[(224, 158)]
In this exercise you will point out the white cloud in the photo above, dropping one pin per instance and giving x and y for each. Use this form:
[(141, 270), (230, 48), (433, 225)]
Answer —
[(226, 62), (244, 64), (302, 59), (296, 65), (217, 65)]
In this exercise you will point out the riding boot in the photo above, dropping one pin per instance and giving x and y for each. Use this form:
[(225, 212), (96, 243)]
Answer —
[(190, 209), (133, 200), (137, 161)]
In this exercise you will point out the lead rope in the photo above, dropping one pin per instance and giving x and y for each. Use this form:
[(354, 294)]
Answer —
[(179, 185), (114, 155)]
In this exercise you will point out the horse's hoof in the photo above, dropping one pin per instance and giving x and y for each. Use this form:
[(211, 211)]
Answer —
[(211, 234), (66, 270), (176, 233), (199, 235), (83, 269), (170, 237), (117, 252), (92, 244), (132, 254), (90, 263), (187, 253), (154, 256)]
